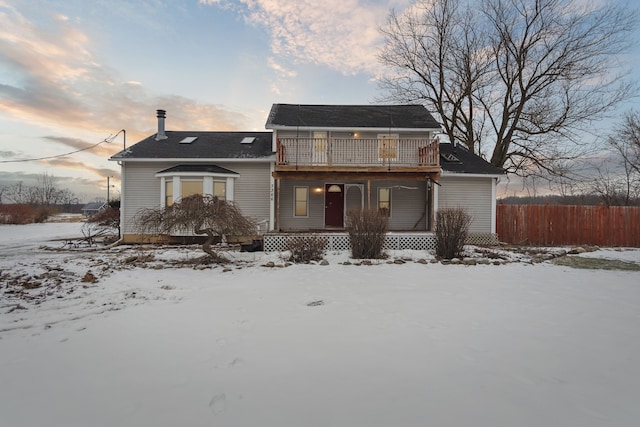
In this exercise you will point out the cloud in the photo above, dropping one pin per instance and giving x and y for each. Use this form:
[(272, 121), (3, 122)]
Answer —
[(280, 69), (72, 164), (340, 34), (76, 144), (55, 80)]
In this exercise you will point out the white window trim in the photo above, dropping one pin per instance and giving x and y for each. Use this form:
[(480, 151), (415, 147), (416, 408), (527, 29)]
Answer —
[(295, 201), (207, 183), (390, 199)]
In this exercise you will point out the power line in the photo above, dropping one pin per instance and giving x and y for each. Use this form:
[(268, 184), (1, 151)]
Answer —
[(108, 139)]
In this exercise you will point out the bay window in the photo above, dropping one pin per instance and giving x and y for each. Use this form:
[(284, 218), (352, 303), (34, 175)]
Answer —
[(183, 181)]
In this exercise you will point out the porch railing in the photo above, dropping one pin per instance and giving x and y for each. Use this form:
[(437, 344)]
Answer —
[(357, 152)]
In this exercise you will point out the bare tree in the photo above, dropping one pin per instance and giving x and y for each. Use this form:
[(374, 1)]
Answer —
[(527, 75), (619, 183), (44, 193), (19, 193), (626, 141), (436, 50), (208, 215), (46, 190)]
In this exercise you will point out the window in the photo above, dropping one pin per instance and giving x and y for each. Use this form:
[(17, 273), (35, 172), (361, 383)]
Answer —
[(220, 189), (387, 145), (190, 187), (384, 201), (168, 192), (182, 181), (301, 201)]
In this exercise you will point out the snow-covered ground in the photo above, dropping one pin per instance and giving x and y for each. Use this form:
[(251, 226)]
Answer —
[(138, 336)]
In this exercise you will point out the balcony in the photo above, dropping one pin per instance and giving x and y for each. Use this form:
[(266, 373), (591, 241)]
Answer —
[(357, 155)]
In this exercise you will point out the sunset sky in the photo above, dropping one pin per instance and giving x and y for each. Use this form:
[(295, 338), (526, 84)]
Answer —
[(75, 72)]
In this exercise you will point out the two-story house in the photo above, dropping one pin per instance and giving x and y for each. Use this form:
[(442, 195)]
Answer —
[(334, 158), (315, 164)]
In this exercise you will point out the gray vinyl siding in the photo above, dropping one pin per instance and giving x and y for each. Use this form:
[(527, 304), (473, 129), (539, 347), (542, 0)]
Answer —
[(251, 189), (353, 198), (408, 204), (315, 218), (472, 194), (141, 189)]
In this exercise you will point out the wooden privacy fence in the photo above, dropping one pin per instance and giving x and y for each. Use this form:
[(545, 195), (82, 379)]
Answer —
[(549, 225)]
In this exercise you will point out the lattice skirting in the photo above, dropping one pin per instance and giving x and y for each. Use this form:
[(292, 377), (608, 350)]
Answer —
[(393, 241)]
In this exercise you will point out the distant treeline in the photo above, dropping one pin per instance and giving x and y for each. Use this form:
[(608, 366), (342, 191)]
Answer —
[(573, 200)]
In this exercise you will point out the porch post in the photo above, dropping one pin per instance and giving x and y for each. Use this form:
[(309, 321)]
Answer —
[(369, 194), (272, 198), (277, 204), (434, 205), (430, 205)]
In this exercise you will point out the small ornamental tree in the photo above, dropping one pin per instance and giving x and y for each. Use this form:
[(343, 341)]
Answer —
[(452, 228), (208, 215), (367, 231)]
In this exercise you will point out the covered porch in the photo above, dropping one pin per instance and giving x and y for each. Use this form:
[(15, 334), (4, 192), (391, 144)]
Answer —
[(320, 201)]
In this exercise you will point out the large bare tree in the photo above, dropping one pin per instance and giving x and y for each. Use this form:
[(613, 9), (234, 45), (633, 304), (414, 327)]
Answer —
[(202, 215), (626, 141), (619, 183), (517, 81)]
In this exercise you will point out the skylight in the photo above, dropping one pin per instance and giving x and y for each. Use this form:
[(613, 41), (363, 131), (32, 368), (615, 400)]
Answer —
[(248, 140), (188, 140), (449, 157)]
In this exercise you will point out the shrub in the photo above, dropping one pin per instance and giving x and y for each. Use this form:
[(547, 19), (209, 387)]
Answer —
[(452, 227), (44, 212), (17, 214), (305, 249), (367, 231), (109, 217)]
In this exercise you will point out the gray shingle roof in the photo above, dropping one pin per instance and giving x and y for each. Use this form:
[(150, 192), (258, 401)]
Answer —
[(351, 116), (207, 145), (460, 160), (94, 206)]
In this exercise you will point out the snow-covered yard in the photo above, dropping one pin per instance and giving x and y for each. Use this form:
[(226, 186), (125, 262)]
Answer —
[(147, 341)]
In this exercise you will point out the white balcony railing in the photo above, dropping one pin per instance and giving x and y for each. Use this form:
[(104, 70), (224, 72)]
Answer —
[(357, 152)]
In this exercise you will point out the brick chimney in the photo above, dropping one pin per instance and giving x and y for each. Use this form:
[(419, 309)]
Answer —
[(161, 114)]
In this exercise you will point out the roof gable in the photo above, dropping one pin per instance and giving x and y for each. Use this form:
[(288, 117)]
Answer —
[(351, 116)]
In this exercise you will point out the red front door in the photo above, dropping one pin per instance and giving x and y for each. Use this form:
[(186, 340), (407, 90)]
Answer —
[(334, 205)]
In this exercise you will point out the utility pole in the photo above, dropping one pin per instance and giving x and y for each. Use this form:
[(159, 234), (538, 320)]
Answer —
[(108, 187)]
